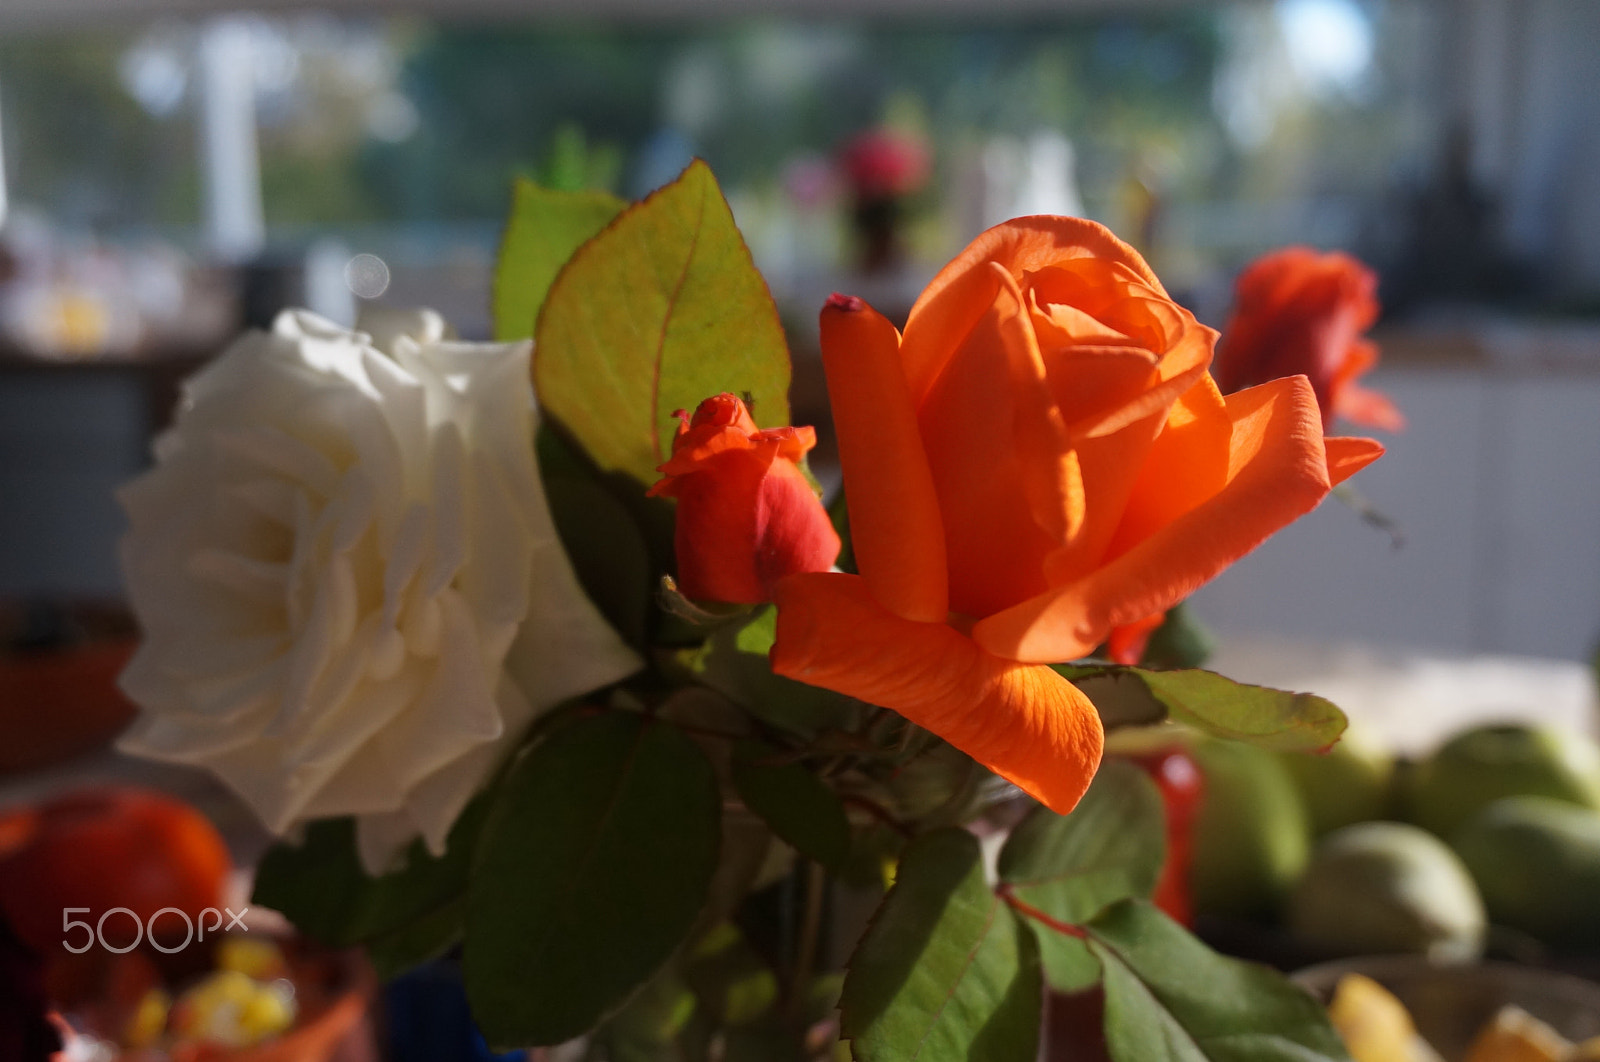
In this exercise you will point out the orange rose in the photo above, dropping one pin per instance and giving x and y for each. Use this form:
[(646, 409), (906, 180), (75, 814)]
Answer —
[(1041, 457), (747, 516), (1298, 311)]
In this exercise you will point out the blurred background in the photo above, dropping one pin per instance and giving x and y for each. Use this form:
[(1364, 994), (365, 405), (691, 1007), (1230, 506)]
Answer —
[(172, 171), (175, 170)]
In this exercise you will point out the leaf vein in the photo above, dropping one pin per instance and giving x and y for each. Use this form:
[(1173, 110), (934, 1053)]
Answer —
[(666, 321), (582, 865), (950, 993)]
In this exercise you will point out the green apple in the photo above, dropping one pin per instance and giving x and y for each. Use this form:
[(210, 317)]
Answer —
[(1347, 784), (1251, 836), (1482, 765), (1387, 887), (1537, 862)]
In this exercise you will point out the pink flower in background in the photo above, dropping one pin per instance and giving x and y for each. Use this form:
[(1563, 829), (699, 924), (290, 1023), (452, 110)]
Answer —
[(883, 163)]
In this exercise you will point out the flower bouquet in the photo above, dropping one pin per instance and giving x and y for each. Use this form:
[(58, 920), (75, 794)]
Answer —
[(547, 659)]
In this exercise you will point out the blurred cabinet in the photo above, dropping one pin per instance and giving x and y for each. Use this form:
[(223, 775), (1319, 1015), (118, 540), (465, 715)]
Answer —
[(1496, 484), (69, 434)]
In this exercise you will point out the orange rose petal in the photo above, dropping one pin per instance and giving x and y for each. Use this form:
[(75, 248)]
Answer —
[(1347, 456), (895, 527), (1277, 472), (1027, 724), (938, 327), (1115, 453), (1177, 371), (1039, 242), (1109, 467), (1051, 476), (958, 296), (970, 421), (1187, 464)]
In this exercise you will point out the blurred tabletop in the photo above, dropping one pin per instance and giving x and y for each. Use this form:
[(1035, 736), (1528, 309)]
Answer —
[(1413, 701)]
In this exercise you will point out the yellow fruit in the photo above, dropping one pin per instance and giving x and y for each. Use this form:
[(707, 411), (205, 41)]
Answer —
[(259, 960), (1588, 1051), (1517, 1036), (230, 1009), (268, 1013), (149, 1020), (1375, 1026)]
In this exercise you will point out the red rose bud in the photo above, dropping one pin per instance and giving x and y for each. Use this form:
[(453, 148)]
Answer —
[(1297, 312), (747, 515)]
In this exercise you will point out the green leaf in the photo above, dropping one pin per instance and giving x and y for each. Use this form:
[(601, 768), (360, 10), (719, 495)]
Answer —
[(429, 937), (945, 971), (798, 807), (1169, 997), (319, 885), (1110, 848), (657, 313), (733, 661), (1118, 694), (1069, 965), (607, 552), (545, 228), (1209, 702), (590, 871), (1272, 719)]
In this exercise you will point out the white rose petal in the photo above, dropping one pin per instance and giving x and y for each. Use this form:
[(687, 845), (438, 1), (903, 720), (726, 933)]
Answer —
[(353, 598)]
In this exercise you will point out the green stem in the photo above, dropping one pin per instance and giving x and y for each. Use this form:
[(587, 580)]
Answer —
[(810, 934)]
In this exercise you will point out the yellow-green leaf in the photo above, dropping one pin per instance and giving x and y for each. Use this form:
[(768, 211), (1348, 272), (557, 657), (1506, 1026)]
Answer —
[(1272, 719), (658, 312), (546, 226), (1207, 701)]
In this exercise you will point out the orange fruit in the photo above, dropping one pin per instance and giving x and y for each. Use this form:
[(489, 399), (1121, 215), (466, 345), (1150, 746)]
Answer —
[(102, 849)]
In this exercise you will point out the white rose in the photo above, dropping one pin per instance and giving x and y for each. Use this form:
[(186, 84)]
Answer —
[(352, 595)]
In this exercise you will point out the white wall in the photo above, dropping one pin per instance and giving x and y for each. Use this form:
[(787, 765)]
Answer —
[(1497, 486)]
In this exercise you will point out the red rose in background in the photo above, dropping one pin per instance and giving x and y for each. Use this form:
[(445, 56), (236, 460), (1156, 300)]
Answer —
[(1300, 312), (747, 516)]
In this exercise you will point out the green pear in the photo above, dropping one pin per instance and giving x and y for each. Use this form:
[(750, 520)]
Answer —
[(1251, 836), (1387, 887), (1537, 862), (1349, 783), (1482, 765)]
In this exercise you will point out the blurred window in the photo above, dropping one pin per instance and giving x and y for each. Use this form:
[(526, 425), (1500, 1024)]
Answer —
[(1204, 133)]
